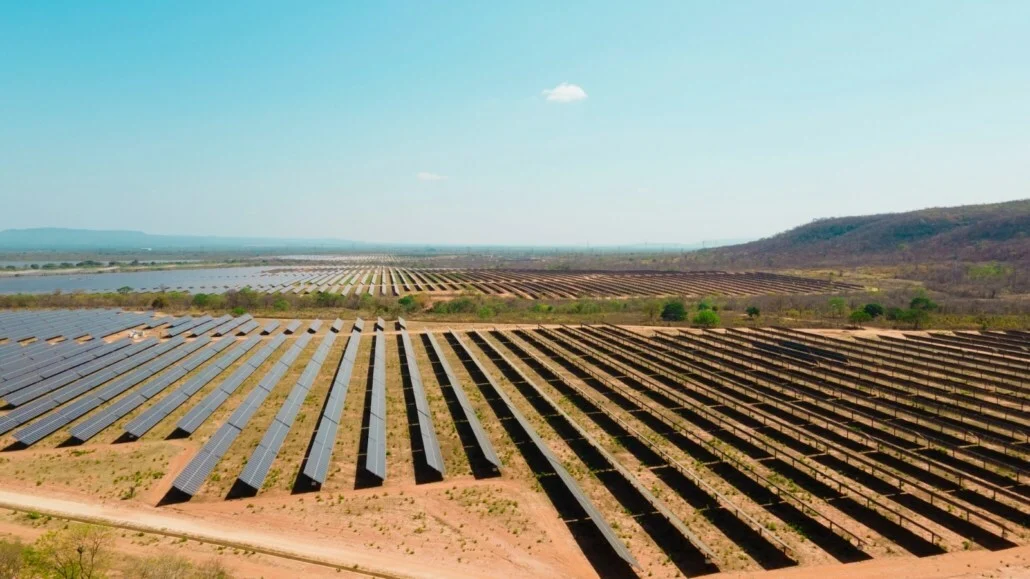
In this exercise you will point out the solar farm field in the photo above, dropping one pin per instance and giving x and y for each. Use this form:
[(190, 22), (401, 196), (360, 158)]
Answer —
[(378, 280), (529, 451)]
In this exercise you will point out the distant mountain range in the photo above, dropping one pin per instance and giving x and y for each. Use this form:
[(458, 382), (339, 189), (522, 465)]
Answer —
[(992, 232), (59, 239), (85, 240)]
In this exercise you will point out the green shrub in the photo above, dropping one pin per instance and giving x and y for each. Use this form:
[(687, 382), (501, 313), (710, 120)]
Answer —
[(674, 311), (706, 319)]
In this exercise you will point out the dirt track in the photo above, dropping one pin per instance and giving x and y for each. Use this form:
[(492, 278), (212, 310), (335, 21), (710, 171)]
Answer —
[(163, 524)]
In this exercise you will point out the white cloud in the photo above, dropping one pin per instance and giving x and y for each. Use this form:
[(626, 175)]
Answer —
[(427, 176), (565, 93)]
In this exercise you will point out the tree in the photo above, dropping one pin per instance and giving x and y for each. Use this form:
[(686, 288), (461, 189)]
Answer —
[(201, 300), (859, 317), (706, 319), (873, 309), (704, 305), (674, 311), (922, 302), (753, 312), (124, 290), (280, 305), (159, 303), (838, 307), (76, 552), (914, 316)]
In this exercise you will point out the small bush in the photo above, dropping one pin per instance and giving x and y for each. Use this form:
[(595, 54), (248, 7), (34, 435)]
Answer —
[(674, 311), (706, 319)]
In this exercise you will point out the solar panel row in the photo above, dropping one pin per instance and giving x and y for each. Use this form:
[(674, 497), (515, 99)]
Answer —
[(269, 328), (183, 328), (292, 327), (430, 444), (40, 364), (155, 414), (247, 328), (146, 364), (22, 390), (337, 326), (193, 476), (231, 325), (261, 459), (316, 464), (97, 423), (593, 515), (375, 454), (314, 327), (206, 407), (614, 464), (19, 326), (486, 448), (210, 325)]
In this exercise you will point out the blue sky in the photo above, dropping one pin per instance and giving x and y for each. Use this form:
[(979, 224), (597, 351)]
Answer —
[(429, 121)]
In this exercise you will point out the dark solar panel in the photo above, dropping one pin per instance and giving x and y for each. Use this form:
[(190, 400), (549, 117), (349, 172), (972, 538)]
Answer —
[(469, 412), (430, 444), (316, 467), (593, 515)]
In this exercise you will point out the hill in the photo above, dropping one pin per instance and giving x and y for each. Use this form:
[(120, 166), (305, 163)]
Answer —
[(968, 233)]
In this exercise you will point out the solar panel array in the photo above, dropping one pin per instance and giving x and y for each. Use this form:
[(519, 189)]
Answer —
[(206, 407), (148, 363), (261, 459), (98, 422), (469, 412), (595, 517), (226, 328), (430, 444), (155, 414), (55, 393), (316, 465), (41, 360), (18, 326), (247, 328), (197, 471), (28, 387), (173, 331), (375, 455), (210, 325)]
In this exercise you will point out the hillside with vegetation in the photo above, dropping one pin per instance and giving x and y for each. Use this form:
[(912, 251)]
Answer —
[(970, 233)]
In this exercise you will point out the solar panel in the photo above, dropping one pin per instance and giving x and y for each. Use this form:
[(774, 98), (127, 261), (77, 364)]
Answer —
[(256, 471), (314, 327), (162, 355), (593, 515), (96, 424), (192, 477), (247, 328), (292, 327), (430, 444), (468, 411), (231, 325), (269, 328), (210, 325), (375, 456), (85, 378), (316, 465), (206, 407), (337, 326)]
